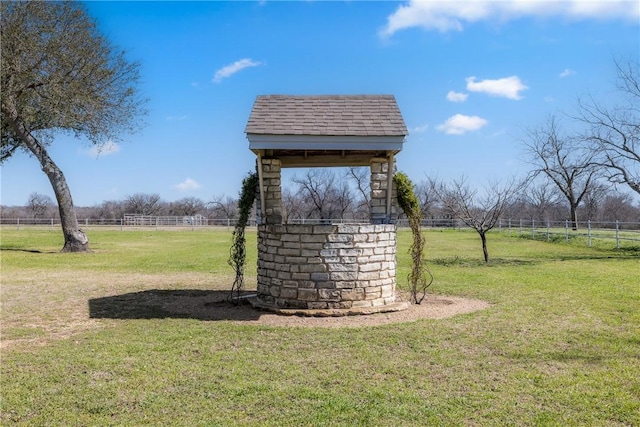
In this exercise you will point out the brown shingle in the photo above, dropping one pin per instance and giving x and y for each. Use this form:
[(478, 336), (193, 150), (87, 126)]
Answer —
[(356, 115)]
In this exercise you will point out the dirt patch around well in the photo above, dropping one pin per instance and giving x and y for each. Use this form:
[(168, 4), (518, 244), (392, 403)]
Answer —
[(432, 307), (38, 307)]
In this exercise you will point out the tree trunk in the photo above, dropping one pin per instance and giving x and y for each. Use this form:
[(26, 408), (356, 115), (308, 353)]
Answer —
[(574, 217), (485, 251), (75, 240)]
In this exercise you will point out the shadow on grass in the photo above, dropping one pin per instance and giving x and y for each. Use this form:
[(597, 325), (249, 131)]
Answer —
[(479, 262), (31, 251), (177, 304)]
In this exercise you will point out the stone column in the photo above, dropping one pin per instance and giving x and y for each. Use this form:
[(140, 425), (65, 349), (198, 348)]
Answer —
[(379, 188), (272, 190)]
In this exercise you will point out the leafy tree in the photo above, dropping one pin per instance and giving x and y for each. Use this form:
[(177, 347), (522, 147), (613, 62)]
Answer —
[(615, 131), (58, 74)]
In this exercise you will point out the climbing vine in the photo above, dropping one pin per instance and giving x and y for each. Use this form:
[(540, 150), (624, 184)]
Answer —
[(238, 252), (417, 278)]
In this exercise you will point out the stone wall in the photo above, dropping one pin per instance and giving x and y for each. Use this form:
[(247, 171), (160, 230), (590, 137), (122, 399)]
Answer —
[(379, 187), (272, 187), (326, 266)]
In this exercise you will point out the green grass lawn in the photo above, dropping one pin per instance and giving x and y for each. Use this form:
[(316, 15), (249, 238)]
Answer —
[(559, 346)]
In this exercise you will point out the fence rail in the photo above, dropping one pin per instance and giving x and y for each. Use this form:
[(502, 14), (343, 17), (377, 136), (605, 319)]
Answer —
[(618, 232)]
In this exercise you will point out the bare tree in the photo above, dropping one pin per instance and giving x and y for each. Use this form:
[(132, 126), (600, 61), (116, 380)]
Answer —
[(361, 177), (615, 131), (188, 206), (564, 161), (478, 211), (317, 186), (143, 204), (225, 207), (542, 198), (39, 204), (427, 198), (619, 207), (59, 74), (593, 200), (292, 206)]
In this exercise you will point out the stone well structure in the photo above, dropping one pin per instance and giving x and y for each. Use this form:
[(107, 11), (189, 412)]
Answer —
[(326, 269)]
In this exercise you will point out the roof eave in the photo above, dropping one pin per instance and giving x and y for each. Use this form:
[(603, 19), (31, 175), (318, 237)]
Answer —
[(325, 142)]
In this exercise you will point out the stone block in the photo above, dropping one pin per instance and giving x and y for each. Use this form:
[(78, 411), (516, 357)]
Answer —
[(344, 276), (319, 276), (313, 238), (274, 291), (284, 275), (329, 294), (352, 294), (289, 293), (361, 304), (339, 305), (349, 229), (323, 229), (369, 275), (317, 305), (329, 252), (296, 260), (290, 237), (312, 268), (307, 294), (342, 267), (329, 284), (300, 276), (342, 238), (370, 267), (289, 252), (291, 245), (339, 284), (386, 291), (308, 252)]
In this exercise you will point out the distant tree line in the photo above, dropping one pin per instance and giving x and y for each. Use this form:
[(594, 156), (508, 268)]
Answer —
[(321, 194)]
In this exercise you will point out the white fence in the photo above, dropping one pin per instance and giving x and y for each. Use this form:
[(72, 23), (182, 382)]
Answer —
[(618, 233)]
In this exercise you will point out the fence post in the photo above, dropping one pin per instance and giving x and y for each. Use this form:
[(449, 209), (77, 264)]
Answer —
[(121, 223), (509, 226), (52, 223), (566, 229), (18, 224), (533, 228), (617, 235), (520, 227), (589, 233), (548, 226)]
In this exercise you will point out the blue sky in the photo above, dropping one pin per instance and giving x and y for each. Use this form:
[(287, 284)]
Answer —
[(469, 78)]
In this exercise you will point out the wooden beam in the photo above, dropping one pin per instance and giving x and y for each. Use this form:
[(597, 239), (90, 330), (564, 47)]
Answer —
[(389, 185), (300, 161), (263, 213)]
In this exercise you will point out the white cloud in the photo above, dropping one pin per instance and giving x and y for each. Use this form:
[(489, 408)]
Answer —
[(422, 128), (452, 15), (104, 149), (231, 69), (508, 87), (566, 73), (457, 96), (187, 184), (461, 124)]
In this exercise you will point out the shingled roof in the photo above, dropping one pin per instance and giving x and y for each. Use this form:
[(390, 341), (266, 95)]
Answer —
[(326, 115)]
